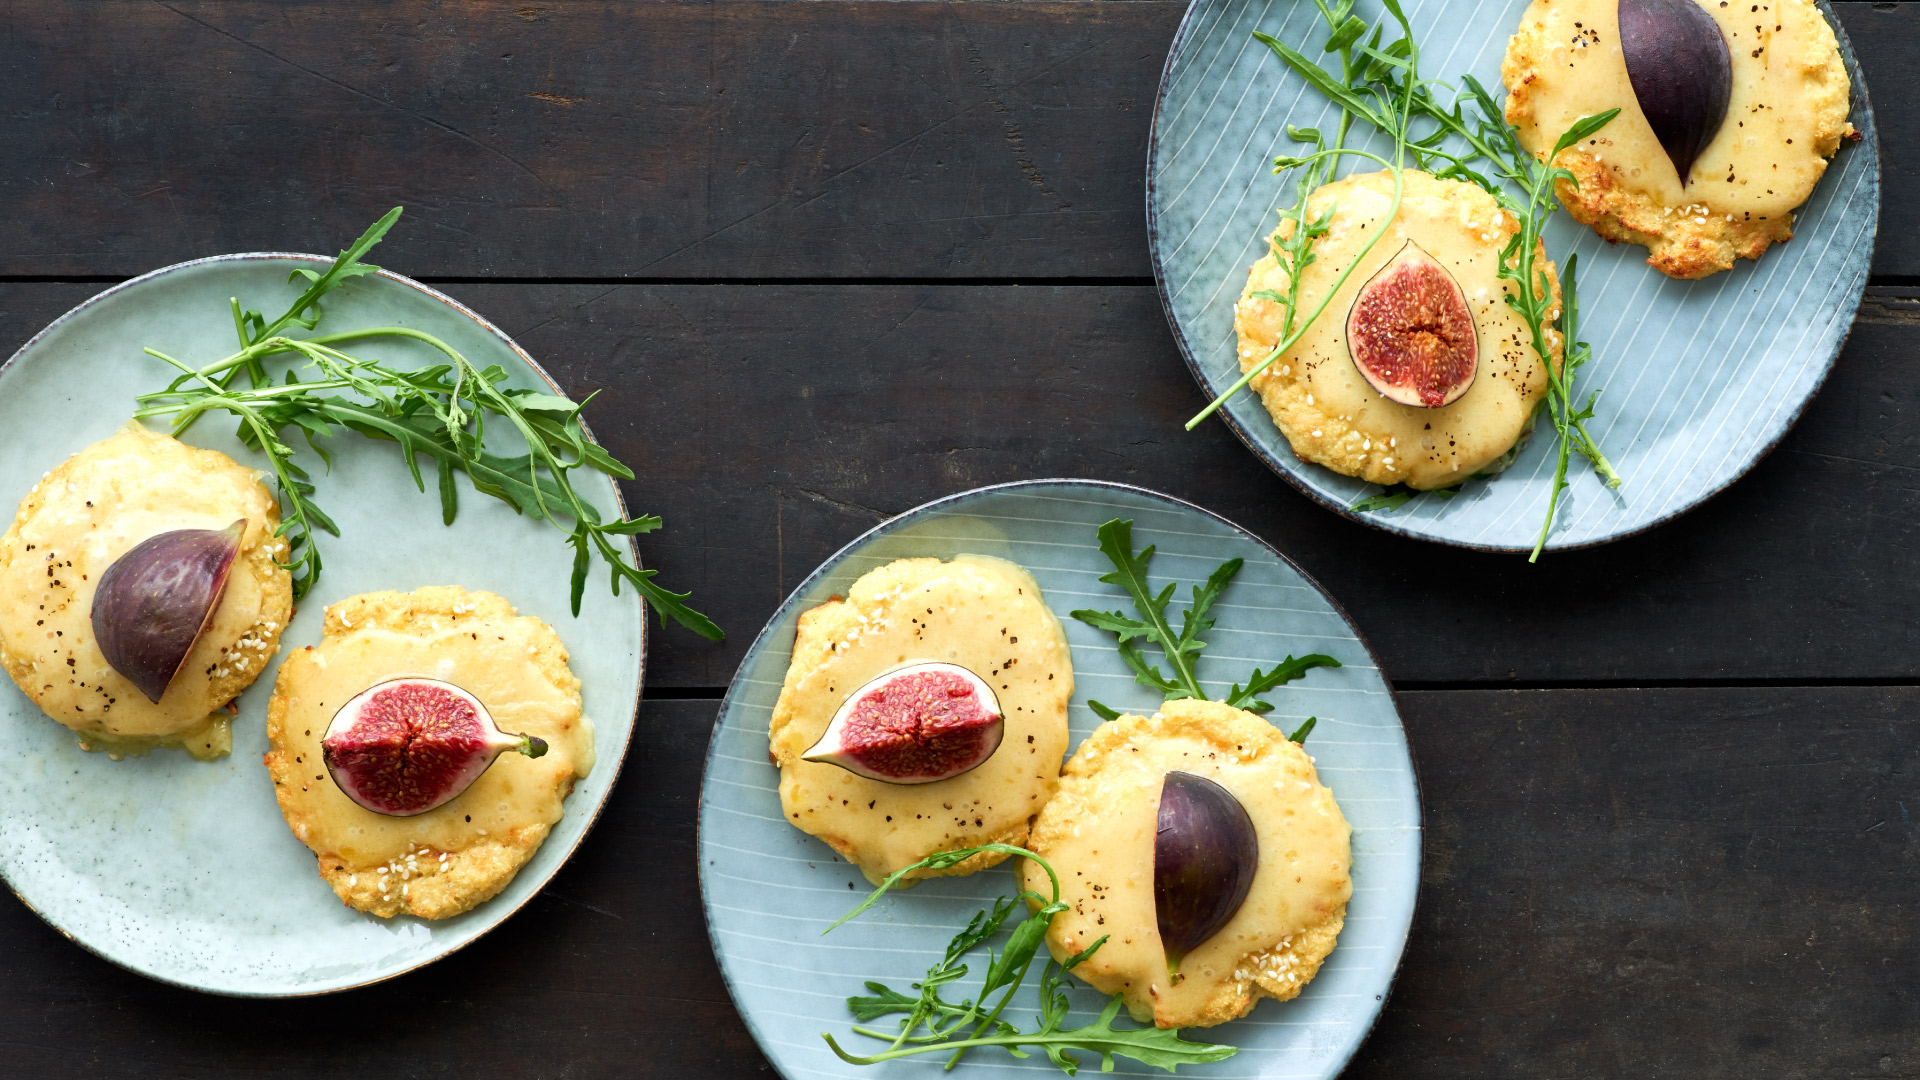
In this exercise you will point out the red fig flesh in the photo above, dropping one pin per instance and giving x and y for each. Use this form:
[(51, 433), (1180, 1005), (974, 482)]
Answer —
[(914, 725), (1205, 853), (1681, 72), (155, 601), (406, 746), (1411, 333)]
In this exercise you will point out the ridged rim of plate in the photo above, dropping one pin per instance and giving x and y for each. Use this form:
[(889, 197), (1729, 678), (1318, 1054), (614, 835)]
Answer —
[(619, 759), (1289, 467), (832, 563)]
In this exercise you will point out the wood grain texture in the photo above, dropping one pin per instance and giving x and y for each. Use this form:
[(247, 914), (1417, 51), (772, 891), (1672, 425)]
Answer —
[(1881, 34), (1698, 883), (770, 425), (735, 139), (1701, 883)]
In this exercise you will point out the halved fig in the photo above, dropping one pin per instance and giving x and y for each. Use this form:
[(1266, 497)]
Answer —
[(155, 601), (1681, 71), (916, 724), (1205, 853), (1411, 333), (406, 746)]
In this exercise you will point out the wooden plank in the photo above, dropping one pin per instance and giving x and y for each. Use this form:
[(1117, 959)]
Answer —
[(1703, 882), (773, 424), (745, 138), (1662, 883), (1882, 35)]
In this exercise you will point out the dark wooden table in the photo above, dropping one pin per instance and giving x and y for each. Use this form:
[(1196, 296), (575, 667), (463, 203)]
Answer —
[(827, 261)]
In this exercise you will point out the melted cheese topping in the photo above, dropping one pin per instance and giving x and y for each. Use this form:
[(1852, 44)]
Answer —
[(1320, 401), (1098, 833), (73, 525), (983, 614), (514, 664), (1785, 118)]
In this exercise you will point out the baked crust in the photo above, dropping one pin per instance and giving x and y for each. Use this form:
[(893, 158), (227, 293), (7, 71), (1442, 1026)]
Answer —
[(86, 513), (1788, 116), (453, 858), (984, 614), (1321, 403), (1110, 785)]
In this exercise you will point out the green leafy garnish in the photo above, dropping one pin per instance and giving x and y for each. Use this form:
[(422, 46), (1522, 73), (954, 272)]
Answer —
[(1181, 649), (1396, 496), (931, 1024), (1463, 138), (440, 411)]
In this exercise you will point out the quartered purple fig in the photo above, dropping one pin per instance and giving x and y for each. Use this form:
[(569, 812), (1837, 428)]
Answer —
[(914, 725), (154, 602), (1681, 72), (406, 746), (1205, 854)]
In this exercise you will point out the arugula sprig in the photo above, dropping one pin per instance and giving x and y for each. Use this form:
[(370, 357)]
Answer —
[(1181, 649), (441, 411), (933, 1025), (1464, 136), (1375, 97)]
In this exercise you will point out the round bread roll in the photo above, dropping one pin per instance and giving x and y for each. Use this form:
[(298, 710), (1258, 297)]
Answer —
[(984, 614), (1786, 117), (1327, 410), (443, 862), (73, 525), (1098, 833)]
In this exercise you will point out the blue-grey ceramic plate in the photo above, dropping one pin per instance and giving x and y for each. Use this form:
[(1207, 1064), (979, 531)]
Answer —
[(184, 870), (771, 889), (1697, 379)]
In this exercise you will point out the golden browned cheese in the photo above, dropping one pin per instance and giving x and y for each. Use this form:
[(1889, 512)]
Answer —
[(1320, 401), (1786, 117), (447, 860), (73, 525), (1098, 834), (984, 614)]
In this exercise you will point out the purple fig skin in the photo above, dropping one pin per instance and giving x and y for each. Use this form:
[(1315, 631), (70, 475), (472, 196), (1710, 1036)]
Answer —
[(154, 602), (1205, 854), (1682, 74), (917, 724), (406, 746)]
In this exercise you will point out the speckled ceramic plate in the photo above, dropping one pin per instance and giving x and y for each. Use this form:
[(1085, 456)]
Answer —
[(771, 889), (1697, 380), (184, 870)]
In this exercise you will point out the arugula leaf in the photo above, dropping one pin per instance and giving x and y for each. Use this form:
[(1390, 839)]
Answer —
[(1466, 138), (1184, 648), (1282, 673), (933, 1025), (1392, 498), (1130, 573), (440, 410)]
